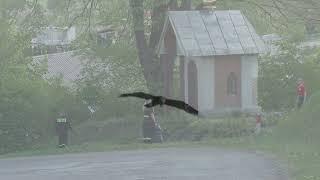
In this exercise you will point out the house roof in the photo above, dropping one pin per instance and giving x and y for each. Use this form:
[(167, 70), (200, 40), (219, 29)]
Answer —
[(273, 48), (208, 33), (67, 64), (55, 36)]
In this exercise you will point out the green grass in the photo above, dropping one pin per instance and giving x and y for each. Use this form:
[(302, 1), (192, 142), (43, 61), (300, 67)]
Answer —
[(294, 141), (100, 147)]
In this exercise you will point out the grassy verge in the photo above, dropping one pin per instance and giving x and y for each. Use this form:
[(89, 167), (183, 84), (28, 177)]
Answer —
[(294, 140), (101, 147)]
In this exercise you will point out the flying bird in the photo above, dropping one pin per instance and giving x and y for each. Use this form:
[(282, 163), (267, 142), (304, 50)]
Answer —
[(160, 100)]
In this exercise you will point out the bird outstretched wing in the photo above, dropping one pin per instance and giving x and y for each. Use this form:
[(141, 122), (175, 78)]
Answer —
[(138, 95), (169, 102), (181, 105)]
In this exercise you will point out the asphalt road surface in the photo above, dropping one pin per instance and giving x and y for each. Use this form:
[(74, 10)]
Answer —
[(156, 164)]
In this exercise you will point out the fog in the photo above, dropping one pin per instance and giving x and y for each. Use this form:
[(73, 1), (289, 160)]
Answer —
[(224, 74)]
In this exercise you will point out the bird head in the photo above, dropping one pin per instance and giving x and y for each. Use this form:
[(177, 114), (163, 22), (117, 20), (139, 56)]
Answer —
[(148, 103), (162, 100)]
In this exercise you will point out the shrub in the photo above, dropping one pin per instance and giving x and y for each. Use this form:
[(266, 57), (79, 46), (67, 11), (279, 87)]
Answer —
[(181, 126)]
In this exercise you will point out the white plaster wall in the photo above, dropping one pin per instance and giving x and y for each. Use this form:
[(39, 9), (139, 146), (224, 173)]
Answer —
[(186, 90), (249, 75), (205, 69)]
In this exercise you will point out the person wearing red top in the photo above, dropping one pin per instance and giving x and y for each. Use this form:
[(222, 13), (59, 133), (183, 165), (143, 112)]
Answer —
[(301, 93)]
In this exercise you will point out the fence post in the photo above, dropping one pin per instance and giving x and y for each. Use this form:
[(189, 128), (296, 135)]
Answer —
[(258, 123)]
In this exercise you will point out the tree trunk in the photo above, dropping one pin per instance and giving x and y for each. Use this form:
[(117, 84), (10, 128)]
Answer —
[(186, 5), (146, 53)]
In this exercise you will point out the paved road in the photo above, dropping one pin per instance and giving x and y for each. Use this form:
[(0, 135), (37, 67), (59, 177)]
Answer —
[(159, 164)]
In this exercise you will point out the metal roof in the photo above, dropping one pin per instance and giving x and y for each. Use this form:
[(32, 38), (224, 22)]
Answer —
[(209, 33), (67, 64)]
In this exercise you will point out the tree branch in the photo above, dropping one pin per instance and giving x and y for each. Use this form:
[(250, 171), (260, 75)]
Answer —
[(158, 18), (173, 4), (261, 7), (126, 24), (67, 10), (29, 15), (283, 7), (35, 3), (280, 10), (84, 9), (186, 5), (33, 9), (90, 14)]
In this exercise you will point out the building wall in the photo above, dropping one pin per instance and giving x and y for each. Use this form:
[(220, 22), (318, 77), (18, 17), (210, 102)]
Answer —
[(181, 60), (249, 78), (224, 65), (205, 73), (206, 83), (168, 62), (185, 76), (193, 95), (212, 75)]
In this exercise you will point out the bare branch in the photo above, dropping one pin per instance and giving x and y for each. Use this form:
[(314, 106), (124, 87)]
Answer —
[(67, 10), (186, 4), (280, 10), (35, 3), (84, 9), (173, 4), (33, 9), (286, 7), (158, 13), (30, 14), (122, 32), (264, 9), (261, 7), (89, 15), (299, 10)]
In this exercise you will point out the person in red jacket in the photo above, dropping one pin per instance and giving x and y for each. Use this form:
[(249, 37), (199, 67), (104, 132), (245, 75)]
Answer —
[(301, 93)]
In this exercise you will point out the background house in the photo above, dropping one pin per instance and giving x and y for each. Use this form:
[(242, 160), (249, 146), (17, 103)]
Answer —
[(53, 49), (53, 40), (217, 55), (68, 65)]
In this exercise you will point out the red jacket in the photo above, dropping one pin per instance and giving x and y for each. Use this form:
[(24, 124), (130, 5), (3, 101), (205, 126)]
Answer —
[(301, 90)]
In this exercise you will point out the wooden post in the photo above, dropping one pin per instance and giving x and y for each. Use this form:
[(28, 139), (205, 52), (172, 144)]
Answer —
[(162, 74), (170, 67), (170, 44), (165, 89), (182, 78)]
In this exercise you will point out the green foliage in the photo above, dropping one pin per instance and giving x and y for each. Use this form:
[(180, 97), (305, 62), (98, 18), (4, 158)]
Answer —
[(296, 139), (181, 126), (111, 71), (28, 103), (118, 130), (106, 77), (137, 10), (222, 128), (279, 73), (28, 108), (10, 5), (112, 107), (56, 4), (303, 126)]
